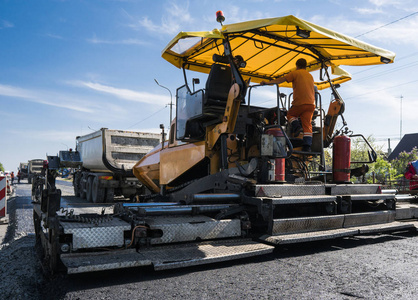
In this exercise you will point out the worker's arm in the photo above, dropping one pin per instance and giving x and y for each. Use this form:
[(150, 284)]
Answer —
[(274, 81)]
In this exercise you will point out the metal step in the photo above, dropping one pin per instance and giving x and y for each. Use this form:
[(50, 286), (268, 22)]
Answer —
[(351, 189), (311, 224), (281, 190), (406, 211), (176, 229), (371, 197), (336, 233), (303, 199), (165, 257)]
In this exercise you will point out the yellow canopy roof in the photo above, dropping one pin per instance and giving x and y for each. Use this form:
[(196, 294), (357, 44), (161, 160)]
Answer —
[(271, 48)]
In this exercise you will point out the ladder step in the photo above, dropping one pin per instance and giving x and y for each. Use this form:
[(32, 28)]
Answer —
[(337, 233), (313, 224), (165, 257), (303, 199), (371, 197)]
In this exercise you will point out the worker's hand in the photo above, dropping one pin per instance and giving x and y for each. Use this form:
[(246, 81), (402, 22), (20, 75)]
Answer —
[(263, 83), (415, 176)]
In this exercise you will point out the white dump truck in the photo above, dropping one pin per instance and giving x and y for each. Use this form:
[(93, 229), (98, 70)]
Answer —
[(107, 157), (34, 168), (23, 168)]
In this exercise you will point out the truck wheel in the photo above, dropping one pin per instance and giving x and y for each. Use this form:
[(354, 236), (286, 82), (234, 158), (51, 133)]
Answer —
[(76, 184), (110, 194), (89, 189), (98, 193), (53, 251), (83, 185), (38, 229)]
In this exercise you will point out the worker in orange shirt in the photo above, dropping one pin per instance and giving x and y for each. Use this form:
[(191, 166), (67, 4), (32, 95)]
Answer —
[(303, 104)]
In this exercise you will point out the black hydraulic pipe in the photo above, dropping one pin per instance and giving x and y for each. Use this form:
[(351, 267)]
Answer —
[(149, 204), (224, 152), (204, 197)]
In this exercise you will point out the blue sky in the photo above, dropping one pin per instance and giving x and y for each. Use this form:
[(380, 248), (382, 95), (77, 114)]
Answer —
[(70, 67)]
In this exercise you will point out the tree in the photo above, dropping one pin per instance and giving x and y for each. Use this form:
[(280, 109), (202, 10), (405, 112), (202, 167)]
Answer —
[(1, 167), (400, 163), (382, 170), (360, 150)]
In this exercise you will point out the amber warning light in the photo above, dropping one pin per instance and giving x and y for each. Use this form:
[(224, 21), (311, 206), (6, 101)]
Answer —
[(220, 16)]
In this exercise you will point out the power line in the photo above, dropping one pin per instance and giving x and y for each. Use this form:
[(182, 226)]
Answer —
[(390, 87), (147, 117), (371, 76), (388, 24)]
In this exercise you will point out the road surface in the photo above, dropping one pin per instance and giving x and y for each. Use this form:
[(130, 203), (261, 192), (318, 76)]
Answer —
[(367, 267)]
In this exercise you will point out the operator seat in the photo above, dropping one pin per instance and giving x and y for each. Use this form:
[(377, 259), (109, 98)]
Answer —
[(218, 85)]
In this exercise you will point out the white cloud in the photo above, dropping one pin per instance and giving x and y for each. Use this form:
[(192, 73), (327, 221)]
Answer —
[(385, 2), (54, 36), (95, 40), (45, 134), (11, 91), (125, 94), (45, 98), (368, 11), (397, 33), (6, 24), (173, 20)]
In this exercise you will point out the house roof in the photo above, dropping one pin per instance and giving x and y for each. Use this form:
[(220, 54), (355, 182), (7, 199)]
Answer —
[(407, 143)]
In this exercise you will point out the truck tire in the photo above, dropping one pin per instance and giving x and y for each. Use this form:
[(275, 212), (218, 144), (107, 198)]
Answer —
[(110, 194), (76, 184), (89, 189), (38, 229), (98, 193), (83, 185)]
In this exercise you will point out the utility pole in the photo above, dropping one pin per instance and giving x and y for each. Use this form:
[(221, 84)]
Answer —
[(400, 125), (389, 149), (171, 101)]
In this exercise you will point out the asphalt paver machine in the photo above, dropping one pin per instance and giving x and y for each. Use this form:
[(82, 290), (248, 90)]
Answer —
[(230, 182)]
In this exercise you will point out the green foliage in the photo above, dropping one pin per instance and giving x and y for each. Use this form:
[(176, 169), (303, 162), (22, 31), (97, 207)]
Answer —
[(360, 150), (1, 167), (400, 163), (382, 170)]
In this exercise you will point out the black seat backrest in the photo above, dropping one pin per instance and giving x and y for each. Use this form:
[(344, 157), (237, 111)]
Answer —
[(218, 84)]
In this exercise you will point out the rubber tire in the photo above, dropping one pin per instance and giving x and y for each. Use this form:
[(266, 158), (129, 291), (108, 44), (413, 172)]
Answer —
[(38, 229), (89, 195), (83, 193), (76, 184), (110, 194), (98, 193)]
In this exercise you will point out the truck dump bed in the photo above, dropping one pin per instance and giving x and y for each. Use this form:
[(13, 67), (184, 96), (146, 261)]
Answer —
[(35, 166), (114, 150)]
